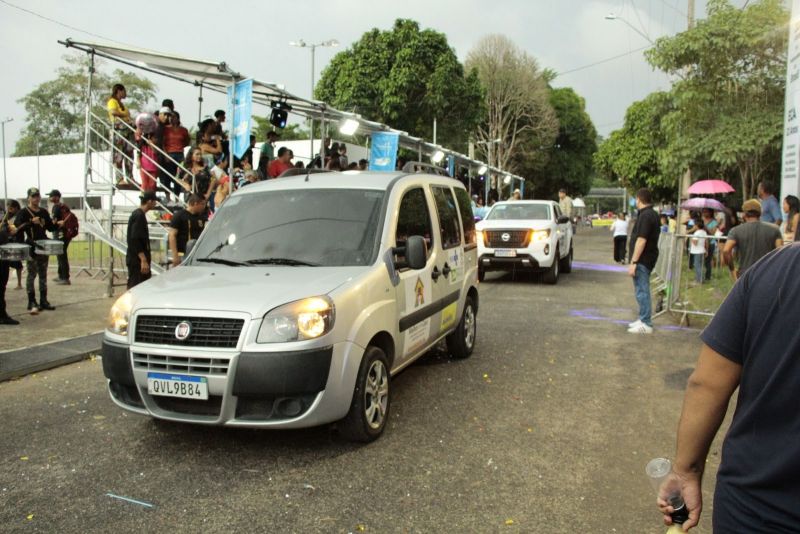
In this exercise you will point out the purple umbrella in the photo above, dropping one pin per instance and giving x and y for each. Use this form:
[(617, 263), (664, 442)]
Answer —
[(699, 203)]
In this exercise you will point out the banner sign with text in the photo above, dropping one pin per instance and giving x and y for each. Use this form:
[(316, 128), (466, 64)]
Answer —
[(790, 169), (240, 113), (383, 151)]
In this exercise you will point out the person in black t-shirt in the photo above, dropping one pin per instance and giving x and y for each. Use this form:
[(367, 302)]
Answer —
[(643, 255), (6, 234), (33, 223), (186, 224), (138, 256), (753, 344)]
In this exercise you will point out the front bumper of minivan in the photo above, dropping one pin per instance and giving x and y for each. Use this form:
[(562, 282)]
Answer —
[(288, 389)]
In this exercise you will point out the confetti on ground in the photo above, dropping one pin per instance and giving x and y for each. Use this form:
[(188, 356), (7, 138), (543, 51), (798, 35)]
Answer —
[(99, 417), (509, 522), (23, 458), (30, 516), (128, 499)]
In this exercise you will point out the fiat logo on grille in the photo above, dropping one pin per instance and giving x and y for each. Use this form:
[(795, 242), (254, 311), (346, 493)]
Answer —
[(183, 330), (506, 236)]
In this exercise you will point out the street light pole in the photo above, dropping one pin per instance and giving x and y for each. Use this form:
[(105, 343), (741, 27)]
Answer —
[(613, 16), (313, 47), (5, 181)]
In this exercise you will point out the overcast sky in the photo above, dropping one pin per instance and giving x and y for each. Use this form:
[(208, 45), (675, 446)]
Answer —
[(253, 38)]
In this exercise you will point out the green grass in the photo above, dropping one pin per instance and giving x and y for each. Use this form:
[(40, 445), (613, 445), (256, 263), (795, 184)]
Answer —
[(706, 297)]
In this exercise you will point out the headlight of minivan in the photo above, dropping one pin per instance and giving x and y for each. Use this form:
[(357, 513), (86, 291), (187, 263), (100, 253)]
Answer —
[(297, 321), (120, 315)]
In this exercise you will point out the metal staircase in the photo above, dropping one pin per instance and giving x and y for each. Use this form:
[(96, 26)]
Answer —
[(118, 190)]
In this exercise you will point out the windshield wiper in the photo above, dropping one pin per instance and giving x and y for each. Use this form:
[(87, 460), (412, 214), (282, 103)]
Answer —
[(223, 261), (280, 261)]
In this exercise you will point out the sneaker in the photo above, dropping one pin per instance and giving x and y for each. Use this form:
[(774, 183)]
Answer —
[(640, 328), (44, 305), (33, 308), (8, 320), (61, 282), (635, 323)]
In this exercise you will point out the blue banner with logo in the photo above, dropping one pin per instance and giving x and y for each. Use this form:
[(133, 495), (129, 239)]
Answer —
[(240, 113), (383, 151)]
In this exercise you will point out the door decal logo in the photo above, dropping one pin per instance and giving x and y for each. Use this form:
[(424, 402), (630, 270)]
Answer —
[(419, 290)]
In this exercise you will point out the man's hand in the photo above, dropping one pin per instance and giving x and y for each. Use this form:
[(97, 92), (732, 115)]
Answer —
[(691, 493), (36, 220), (632, 269), (145, 267), (60, 224)]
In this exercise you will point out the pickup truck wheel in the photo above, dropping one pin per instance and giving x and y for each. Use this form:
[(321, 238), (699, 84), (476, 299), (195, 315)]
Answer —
[(566, 262), (462, 341), (369, 409), (551, 275)]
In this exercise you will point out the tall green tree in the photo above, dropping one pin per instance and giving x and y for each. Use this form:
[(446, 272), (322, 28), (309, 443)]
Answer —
[(55, 109), (405, 77), (632, 155), (729, 90), (570, 162)]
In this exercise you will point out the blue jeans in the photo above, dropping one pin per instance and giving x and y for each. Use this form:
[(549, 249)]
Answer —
[(641, 289), (699, 263)]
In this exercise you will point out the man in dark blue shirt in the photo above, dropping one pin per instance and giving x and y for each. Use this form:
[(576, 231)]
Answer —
[(753, 342)]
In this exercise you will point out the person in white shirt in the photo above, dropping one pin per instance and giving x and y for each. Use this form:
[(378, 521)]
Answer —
[(620, 230), (698, 247)]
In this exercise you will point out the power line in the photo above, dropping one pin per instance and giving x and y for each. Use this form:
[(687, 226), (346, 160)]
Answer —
[(65, 25), (596, 63), (674, 8)]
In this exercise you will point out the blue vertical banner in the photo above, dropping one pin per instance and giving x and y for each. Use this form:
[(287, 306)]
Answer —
[(451, 165), (383, 151), (240, 112)]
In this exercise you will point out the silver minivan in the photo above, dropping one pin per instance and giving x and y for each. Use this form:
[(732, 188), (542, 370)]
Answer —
[(300, 300)]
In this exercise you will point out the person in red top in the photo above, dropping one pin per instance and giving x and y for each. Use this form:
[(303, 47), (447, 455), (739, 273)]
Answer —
[(281, 164), (176, 138)]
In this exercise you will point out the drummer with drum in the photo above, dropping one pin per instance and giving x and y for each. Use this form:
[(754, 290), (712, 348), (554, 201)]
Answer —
[(33, 222), (8, 251)]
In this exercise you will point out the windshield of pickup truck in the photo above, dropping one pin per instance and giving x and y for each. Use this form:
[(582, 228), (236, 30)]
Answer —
[(539, 212), (319, 227)]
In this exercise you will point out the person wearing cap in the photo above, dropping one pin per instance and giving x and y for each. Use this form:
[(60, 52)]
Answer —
[(34, 222), (137, 259), (186, 224), (751, 240), (60, 213)]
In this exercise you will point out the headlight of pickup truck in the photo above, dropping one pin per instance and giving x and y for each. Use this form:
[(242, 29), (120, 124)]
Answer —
[(297, 321), (539, 236), (120, 315)]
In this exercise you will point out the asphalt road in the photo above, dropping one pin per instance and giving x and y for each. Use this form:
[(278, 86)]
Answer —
[(546, 428)]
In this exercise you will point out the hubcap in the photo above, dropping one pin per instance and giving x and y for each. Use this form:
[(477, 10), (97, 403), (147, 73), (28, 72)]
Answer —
[(376, 394), (469, 327)]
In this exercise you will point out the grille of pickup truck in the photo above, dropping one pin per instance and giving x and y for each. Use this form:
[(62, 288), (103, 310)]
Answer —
[(202, 332), (516, 238)]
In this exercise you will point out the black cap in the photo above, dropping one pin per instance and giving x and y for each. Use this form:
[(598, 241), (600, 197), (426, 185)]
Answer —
[(34, 192), (148, 195), (54, 193)]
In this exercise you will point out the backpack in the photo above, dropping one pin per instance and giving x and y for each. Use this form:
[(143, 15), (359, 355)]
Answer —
[(71, 225)]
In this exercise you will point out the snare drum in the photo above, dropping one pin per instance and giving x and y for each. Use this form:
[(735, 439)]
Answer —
[(49, 247), (15, 252)]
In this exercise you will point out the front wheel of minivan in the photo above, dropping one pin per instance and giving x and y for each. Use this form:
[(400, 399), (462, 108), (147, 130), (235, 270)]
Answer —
[(462, 341), (369, 409)]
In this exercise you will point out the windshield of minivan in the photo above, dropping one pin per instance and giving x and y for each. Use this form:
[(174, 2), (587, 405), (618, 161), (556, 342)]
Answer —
[(540, 212), (319, 227)]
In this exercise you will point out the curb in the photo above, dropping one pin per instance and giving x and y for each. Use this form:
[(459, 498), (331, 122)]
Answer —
[(21, 362)]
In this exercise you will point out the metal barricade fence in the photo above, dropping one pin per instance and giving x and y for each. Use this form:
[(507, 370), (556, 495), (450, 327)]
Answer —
[(680, 286)]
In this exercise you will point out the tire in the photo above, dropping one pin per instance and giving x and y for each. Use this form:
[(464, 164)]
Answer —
[(369, 409), (551, 275), (462, 341), (566, 263)]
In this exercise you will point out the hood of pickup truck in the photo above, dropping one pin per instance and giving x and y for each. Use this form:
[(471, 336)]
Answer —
[(254, 290), (514, 224)]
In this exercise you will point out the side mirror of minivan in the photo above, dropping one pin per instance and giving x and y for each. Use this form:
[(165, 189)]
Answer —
[(189, 246), (416, 252), (564, 219)]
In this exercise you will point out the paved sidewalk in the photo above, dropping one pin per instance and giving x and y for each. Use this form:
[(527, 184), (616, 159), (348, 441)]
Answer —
[(20, 362)]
